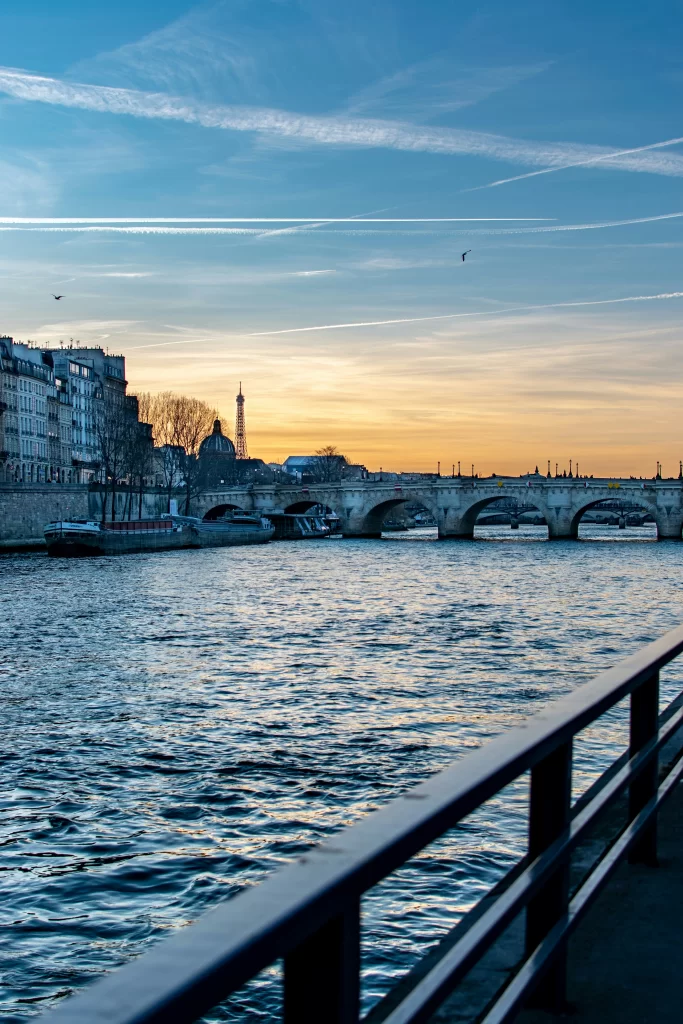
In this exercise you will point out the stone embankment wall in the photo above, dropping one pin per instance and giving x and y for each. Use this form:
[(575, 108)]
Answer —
[(25, 509)]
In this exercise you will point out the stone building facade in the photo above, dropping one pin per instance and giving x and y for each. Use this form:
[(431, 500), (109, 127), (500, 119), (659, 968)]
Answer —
[(26, 383), (51, 402)]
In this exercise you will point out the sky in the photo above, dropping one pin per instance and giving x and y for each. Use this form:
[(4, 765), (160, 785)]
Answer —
[(278, 192)]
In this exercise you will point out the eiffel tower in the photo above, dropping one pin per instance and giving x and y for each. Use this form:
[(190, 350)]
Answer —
[(240, 429)]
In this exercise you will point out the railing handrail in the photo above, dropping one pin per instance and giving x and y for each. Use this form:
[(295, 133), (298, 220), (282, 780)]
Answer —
[(202, 964)]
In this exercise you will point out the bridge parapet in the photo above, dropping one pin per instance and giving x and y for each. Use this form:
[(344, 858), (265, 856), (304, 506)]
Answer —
[(455, 502)]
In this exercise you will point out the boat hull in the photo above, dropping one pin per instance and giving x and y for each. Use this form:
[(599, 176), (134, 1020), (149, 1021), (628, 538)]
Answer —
[(73, 540), (63, 547), (208, 535), (65, 542)]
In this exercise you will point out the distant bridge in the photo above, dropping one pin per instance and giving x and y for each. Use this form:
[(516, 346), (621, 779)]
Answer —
[(455, 502)]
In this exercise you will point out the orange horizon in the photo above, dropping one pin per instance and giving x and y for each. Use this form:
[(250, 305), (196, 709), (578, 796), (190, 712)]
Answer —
[(506, 395)]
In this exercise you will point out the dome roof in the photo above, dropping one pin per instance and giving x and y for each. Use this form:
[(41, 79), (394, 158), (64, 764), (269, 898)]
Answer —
[(217, 443)]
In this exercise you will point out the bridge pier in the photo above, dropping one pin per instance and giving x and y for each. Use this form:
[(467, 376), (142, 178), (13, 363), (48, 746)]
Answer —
[(356, 524), (562, 525), (455, 502), (669, 523), (453, 525), (561, 534)]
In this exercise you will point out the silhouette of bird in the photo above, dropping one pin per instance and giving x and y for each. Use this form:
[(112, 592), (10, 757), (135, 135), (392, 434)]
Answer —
[(58, 297), (465, 254)]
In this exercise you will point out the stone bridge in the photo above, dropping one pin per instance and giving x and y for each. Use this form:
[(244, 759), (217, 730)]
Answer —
[(455, 502)]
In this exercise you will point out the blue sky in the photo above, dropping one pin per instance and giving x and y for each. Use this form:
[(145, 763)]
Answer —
[(398, 116)]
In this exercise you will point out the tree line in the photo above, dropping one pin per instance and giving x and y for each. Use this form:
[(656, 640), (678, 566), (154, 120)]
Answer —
[(130, 451), (127, 446)]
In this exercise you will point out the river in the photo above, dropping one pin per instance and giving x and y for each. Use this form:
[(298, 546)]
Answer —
[(177, 725)]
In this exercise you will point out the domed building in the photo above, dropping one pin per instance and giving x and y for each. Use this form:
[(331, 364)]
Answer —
[(217, 458)]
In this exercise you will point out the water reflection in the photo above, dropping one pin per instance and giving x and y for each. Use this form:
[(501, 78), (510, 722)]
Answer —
[(177, 725)]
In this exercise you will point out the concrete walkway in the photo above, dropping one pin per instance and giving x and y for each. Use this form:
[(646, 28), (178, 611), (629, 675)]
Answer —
[(626, 957)]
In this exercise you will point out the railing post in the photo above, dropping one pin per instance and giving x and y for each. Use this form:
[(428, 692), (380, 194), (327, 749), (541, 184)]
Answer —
[(644, 722), (549, 806), (322, 976)]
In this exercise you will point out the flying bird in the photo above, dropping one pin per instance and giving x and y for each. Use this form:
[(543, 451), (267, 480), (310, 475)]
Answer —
[(58, 297), (465, 254)]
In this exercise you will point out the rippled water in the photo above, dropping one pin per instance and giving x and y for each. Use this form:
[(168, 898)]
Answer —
[(177, 725)]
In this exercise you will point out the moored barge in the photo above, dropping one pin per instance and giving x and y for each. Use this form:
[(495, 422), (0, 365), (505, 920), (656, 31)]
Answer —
[(85, 537)]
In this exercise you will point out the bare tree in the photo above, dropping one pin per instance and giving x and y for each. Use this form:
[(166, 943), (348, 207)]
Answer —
[(179, 425), (115, 422), (140, 463), (145, 402), (328, 464)]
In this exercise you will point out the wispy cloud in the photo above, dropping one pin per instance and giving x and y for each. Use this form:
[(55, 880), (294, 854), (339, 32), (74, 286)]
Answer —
[(193, 336), (121, 273), (72, 327), (312, 273), (431, 88), (323, 130), (192, 52), (456, 316), (26, 183)]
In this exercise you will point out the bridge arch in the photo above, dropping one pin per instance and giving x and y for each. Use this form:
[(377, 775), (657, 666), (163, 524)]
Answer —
[(374, 516), (219, 510), (469, 516), (579, 510), (305, 505)]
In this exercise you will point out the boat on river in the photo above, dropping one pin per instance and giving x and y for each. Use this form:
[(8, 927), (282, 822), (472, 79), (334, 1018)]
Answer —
[(235, 527), (79, 537), (299, 526)]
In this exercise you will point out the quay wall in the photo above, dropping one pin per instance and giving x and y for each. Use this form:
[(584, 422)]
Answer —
[(25, 509)]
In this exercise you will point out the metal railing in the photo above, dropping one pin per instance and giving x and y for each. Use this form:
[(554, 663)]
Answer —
[(309, 913)]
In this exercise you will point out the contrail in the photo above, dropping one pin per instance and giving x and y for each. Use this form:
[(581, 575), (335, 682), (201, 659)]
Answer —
[(308, 226), (454, 316), (173, 228), (131, 229), (20, 221), (578, 163), (320, 130), (421, 319), (576, 227)]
